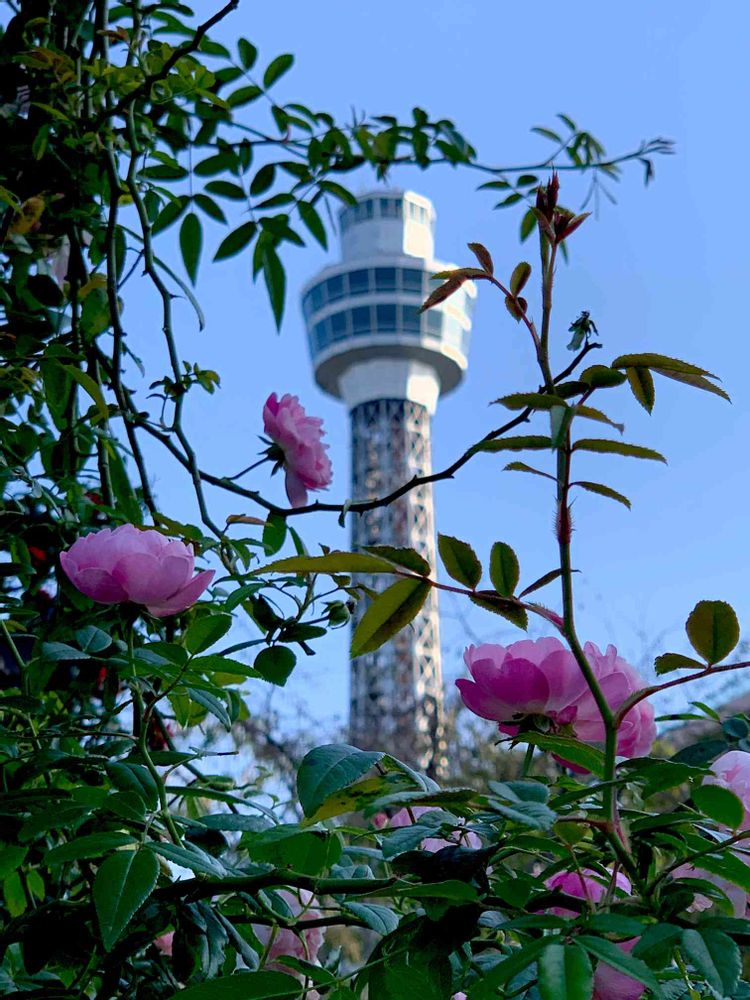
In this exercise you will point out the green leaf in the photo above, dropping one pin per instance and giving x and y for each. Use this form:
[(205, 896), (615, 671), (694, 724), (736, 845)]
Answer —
[(61, 651), (610, 954), (274, 534), (277, 68), (191, 241), (204, 632), (696, 381), (713, 630), (192, 858), (528, 225), (591, 413), (504, 569), (237, 240), (541, 582), (331, 562), (510, 966), (263, 179), (719, 804), (535, 815), (531, 442), (244, 986), (484, 257), (667, 662), (275, 278), (90, 386), (606, 447), (658, 361), (523, 467), (247, 53), (92, 639), (460, 561), (603, 491), (521, 274), (530, 400), (642, 385), (715, 956), (91, 846), (275, 664), (389, 612), (122, 885), (244, 95), (565, 971), (380, 919), (602, 377), (209, 206), (11, 859), (507, 609), (314, 223), (328, 769), (568, 749), (406, 558)]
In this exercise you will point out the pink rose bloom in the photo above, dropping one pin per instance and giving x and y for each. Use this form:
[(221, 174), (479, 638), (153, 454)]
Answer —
[(143, 567), (530, 677), (431, 844), (737, 897), (589, 885), (458, 996), (618, 680), (165, 942), (299, 438), (732, 771), (304, 946), (609, 984)]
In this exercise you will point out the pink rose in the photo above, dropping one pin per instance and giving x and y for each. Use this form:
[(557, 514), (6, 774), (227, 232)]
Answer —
[(299, 439), (732, 771), (304, 946), (609, 984), (618, 680), (588, 885), (431, 844), (737, 897), (165, 942), (143, 567), (530, 677)]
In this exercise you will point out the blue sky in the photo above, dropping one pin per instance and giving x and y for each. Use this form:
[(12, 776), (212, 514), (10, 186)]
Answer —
[(664, 270)]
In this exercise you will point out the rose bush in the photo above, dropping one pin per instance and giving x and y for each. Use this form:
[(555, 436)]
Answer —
[(132, 863)]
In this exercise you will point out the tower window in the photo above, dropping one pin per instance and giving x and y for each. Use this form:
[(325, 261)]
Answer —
[(335, 288), (317, 297), (385, 279), (386, 318), (411, 279), (359, 282), (409, 319), (434, 323), (338, 326), (361, 320)]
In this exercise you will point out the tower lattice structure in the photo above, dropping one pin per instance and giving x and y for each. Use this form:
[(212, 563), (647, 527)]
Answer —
[(389, 364)]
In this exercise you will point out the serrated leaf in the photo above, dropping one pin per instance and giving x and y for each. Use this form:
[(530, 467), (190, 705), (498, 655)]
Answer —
[(91, 846), (389, 612), (535, 815), (667, 662), (564, 970), (507, 609), (521, 274), (525, 442), (719, 804), (661, 361), (713, 630), (380, 919), (329, 769), (441, 293), (642, 386), (603, 491), (609, 953), (483, 255), (204, 632), (566, 748), (275, 664), (591, 413), (541, 582), (715, 956), (122, 885), (332, 562), (602, 377), (504, 569), (460, 560), (276, 68), (696, 381), (605, 447), (191, 242), (406, 558), (530, 400), (523, 467)]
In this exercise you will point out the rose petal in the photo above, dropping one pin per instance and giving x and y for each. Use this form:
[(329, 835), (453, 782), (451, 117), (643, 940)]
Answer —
[(183, 599)]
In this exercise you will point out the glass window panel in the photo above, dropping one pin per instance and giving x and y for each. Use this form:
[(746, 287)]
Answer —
[(335, 288), (385, 279), (434, 322), (361, 320), (317, 296), (319, 335), (411, 280), (369, 208), (338, 325), (409, 319), (359, 282), (386, 318), (452, 331)]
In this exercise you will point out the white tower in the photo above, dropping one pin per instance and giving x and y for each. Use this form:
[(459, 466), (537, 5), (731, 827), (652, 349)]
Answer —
[(389, 364)]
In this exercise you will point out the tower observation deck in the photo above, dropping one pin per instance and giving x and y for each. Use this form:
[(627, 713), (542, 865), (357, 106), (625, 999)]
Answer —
[(372, 349)]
